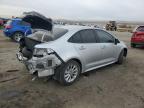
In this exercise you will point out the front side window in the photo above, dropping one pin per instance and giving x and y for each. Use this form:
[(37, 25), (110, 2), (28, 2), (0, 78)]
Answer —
[(88, 36), (104, 37)]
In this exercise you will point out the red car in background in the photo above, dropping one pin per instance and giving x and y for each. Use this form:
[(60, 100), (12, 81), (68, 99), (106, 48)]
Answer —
[(138, 37), (1, 22)]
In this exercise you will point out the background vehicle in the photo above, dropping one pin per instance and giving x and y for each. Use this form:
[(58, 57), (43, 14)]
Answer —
[(112, 26), (1, 22), (16, 29), (5, 20), (68, 51), (138, 36)]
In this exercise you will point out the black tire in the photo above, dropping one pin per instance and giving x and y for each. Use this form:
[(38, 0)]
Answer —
[(133, 45), (65, 70), (121, 57), (17, 36)]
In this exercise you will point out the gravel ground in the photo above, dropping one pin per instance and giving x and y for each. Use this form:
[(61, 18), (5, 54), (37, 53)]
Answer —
[(114, 86)]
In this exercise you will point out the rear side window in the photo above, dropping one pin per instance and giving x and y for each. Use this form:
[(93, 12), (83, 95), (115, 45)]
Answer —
[(76, 38), (88, 36), (141, 28), (104, 37)]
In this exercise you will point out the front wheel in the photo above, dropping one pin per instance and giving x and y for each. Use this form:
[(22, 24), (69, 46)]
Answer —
[(69, 73), (17, 36), (121, 57)]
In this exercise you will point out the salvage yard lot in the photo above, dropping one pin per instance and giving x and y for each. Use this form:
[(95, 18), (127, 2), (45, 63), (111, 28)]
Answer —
[(114, 86)]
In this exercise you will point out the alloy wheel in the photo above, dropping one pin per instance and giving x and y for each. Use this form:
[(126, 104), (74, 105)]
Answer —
[(71, 73), (17, 36)]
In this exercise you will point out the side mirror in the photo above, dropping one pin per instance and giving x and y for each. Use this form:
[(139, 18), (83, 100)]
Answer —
[(116, 41)]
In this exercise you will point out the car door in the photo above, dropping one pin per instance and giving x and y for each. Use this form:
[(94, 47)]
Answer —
[(107, 45), (86, 45)]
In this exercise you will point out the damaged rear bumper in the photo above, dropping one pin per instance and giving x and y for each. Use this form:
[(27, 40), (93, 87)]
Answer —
[(43, 66)]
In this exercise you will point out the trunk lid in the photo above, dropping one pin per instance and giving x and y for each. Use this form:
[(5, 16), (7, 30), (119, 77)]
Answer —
[(37, 20)]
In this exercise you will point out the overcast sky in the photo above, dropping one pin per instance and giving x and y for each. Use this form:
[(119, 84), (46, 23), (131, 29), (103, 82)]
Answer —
[(125, 10)]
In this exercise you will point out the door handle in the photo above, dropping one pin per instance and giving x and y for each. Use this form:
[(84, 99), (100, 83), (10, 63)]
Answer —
[(82, 48)]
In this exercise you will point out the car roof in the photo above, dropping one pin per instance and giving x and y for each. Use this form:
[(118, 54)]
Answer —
[(75, 27), (17, 19)]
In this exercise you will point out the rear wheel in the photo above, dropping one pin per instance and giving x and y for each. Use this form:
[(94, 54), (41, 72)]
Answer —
[(69, 73), (17, 36)]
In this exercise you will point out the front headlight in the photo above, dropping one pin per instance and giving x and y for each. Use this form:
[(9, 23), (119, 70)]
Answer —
[(43, 51)]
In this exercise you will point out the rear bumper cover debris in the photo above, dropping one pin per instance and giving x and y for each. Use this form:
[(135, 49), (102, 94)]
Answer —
[(44, 66)]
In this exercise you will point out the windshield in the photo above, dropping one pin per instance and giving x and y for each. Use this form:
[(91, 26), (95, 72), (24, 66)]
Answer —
[(45, 36)]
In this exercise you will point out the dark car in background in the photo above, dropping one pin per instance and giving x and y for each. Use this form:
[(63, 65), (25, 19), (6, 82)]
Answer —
[(138, 37), (16, 29)]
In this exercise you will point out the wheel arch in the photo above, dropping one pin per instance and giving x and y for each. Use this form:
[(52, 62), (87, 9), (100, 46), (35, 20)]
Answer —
[(13, 35), (78, 61), (18, 31), (125, 52)]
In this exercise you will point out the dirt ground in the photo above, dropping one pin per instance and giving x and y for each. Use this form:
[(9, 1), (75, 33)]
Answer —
[(114, 86)]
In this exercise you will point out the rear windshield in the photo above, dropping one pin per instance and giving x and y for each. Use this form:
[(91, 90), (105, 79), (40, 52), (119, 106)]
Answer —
[(45, 36), (141, 28), (58, 32), (9, 22)]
